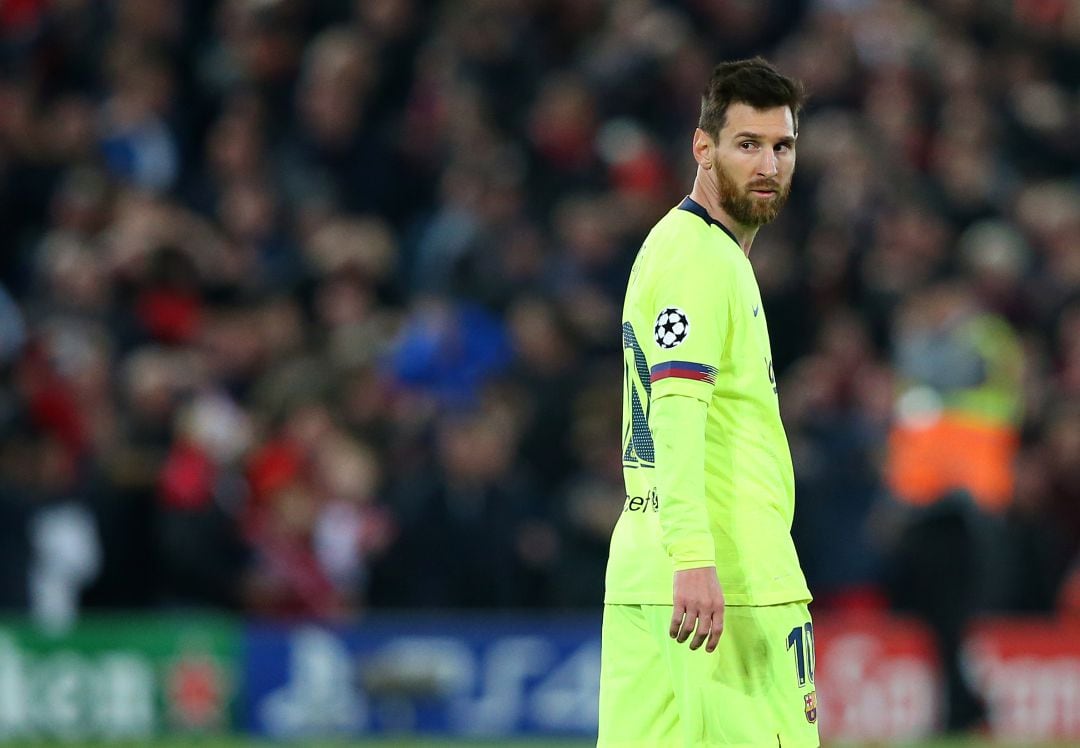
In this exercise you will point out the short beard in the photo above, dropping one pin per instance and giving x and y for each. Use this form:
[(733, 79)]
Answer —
[(741, 206)]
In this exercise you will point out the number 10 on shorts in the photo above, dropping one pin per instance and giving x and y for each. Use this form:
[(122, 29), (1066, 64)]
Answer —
[(801, 639)]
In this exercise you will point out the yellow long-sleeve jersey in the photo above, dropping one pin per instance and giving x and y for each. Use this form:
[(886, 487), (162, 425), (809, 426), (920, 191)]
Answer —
[(706, 461)]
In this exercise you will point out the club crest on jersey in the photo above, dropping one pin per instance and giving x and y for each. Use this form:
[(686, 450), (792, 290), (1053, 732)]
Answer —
[(810, 700), (671, 328)]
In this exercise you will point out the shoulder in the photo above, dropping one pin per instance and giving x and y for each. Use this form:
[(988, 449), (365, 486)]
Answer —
[(683, 244)]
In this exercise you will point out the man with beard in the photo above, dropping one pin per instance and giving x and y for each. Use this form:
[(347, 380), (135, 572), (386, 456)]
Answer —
[(704, 545)]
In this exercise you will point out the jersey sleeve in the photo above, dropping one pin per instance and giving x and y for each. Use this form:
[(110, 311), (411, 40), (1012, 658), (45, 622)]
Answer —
[(678, 428), (691, 322)]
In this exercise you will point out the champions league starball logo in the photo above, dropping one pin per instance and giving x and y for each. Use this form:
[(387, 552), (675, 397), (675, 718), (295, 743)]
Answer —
[(671, 328)]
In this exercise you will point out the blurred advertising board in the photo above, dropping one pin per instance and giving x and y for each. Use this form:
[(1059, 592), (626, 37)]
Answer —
[(134, 677), (877, 676), (877, 679), (120, 678), (487, 677), (1030, 674)]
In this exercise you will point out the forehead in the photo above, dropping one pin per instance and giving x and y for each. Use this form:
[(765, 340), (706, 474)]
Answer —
[(775, 122)]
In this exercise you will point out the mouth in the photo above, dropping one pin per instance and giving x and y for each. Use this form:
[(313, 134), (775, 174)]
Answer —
[(763, 193)]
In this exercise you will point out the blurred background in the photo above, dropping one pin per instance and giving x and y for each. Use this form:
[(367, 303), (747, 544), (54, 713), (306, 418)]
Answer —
[(309, 314)]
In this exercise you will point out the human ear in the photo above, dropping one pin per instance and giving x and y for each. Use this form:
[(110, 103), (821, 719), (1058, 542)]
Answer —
[(703, 149)]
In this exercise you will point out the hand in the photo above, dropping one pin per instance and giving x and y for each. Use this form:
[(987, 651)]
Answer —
[(699, 604)]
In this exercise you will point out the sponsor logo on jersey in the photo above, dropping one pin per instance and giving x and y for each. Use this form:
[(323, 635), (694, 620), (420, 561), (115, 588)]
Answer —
[(642, 503)]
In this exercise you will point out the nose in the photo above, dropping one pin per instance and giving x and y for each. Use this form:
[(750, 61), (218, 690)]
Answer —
[(768, 165)]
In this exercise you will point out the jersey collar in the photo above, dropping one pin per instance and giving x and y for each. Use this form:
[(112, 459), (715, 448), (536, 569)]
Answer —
[(692, 206)]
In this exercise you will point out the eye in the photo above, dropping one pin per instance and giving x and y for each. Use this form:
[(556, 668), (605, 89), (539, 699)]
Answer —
[(748, 145)]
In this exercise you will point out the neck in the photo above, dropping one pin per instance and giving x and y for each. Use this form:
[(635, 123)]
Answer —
[(706, 194)]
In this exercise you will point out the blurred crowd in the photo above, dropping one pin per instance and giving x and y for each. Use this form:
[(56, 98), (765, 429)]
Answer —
[(310, 307)]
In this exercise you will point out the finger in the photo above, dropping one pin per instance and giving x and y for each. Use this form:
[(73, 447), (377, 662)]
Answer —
[(688, 624), (715, 631), (676, 621), (701, 635)]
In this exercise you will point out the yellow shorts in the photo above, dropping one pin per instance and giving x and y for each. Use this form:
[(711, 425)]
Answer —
[(755, 691)]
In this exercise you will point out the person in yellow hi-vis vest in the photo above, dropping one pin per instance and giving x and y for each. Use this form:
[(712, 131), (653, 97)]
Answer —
[(950, 461)]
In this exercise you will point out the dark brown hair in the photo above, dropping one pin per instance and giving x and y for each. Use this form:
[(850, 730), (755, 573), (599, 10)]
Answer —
[(755, 82)]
